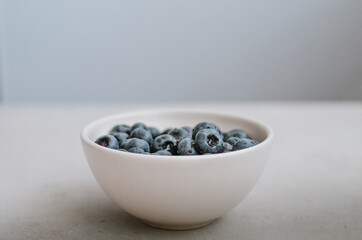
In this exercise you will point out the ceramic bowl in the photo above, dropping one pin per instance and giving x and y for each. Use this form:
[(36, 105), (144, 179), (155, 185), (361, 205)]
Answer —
[(177, 192)]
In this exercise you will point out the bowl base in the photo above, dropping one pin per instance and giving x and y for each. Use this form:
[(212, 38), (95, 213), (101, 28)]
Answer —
[(177, 227)]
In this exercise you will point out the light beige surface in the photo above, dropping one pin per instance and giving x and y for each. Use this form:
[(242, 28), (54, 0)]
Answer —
[(311, 187)]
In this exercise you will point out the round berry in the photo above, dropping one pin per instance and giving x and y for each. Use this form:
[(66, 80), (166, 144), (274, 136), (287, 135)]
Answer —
[(121, 128), (208, 141), (243, 143), (236, 133), (154, 131), (165, 142), (139, 125), (162, 152), (108, 141), (142, 134), (121, 137), (186, 147), (178, 133), (204, 125), (135, 142)]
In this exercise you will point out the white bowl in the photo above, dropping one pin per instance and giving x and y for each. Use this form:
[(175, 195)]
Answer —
[(177, 192)]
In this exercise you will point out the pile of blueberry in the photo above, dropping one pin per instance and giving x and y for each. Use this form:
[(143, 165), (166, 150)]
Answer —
[(204, 138)]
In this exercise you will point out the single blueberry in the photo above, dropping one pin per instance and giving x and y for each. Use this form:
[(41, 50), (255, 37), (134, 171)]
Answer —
[(162, 152), (233, 140), (121, 128), (165, 142), (108, 141), (142, 134), (121, 137), (208, 141), (136, 150), (186, 147), (179, 133), (243, 143), (139, 125), (204, 125), (236, 133), (227, 147), (135, 142), (154, 131)]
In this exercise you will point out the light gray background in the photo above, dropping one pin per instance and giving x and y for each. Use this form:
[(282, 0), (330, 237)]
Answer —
[(165, 50)]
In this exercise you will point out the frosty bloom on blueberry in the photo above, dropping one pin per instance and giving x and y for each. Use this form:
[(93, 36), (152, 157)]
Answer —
[(203, 139)]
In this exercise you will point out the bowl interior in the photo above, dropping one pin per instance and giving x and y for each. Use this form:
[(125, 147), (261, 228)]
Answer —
[(163, 119)]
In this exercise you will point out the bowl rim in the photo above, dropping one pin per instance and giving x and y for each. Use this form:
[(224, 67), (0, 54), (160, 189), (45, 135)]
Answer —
[(85, 132)]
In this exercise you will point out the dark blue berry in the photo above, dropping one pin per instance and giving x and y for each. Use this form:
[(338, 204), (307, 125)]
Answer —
[(236, 133), (162, 152), (139, 125), (108, 141), (179, 133), (135, 142), (208, 141), (186, 147), (227, 147), (121, 137), (154, 131), (142, 134), (165, 142), (121, 128), (136, 150), (204, 125), (255, 142), (233, 140), (243, 143)]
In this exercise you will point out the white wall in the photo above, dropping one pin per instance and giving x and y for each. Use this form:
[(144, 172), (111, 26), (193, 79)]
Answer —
[(162, 50)]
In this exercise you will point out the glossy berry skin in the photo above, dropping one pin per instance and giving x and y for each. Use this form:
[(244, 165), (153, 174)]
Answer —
[(142, 134), (179, 133), (135, 142), (227, 147), (236, 133), (121, 128), (121, 137), (162, 152), (108, 141), (155, 132), (165, 142), (136, 150), (186, 147), (208, 141), (204, 125), (243, 143), (139, 125)]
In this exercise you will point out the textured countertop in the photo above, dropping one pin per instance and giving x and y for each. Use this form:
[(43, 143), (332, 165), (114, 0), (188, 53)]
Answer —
[(311, 187)]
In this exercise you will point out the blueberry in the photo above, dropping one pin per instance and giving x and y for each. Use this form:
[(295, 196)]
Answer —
[(204, 125), (186, 147), (135, 142), (208, 141), (255, 142), (121, 128), (233, 140), (162, 152), (236, 133), (139, 125), (121, 137), (179, 133), (108, 141), (142, 134), (243, 143), (227, 147), (165, 142), (154, 131), (136, 150)]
